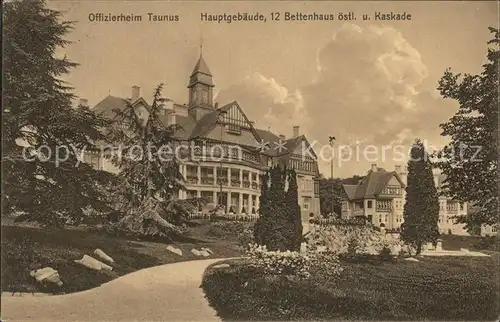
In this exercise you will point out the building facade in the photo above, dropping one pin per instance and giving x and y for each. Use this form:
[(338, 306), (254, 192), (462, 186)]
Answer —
[(225, 153), (380, 197)]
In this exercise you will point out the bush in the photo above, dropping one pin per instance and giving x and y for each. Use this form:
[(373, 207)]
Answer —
[(351, 241), (487, 243), (246, 238), (314, 262), (229, 229), (278, 262)]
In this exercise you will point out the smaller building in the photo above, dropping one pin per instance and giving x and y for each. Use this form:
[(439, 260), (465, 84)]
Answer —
[(489, 230), (380, 197)]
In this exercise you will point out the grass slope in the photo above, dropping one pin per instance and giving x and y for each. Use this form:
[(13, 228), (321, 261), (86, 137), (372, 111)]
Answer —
[(24, 249), (437, 288)]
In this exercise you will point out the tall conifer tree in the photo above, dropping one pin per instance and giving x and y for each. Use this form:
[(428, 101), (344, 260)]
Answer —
[(38, 113), (294, 233), (421, 210)]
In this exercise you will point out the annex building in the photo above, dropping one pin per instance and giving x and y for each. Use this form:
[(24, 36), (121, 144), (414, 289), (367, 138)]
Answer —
[(380, 197)]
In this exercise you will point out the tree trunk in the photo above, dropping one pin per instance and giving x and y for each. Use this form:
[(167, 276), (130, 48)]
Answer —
[(419, 249)]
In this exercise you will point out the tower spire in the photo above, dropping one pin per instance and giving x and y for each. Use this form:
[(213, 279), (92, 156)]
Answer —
[(201, 44)]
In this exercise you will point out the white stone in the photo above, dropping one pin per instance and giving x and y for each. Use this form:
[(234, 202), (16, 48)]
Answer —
[(93, 263), (411, 259), (196, 252), (303, 248), (207, 250), (103, 255), (439, 246), (47, 274), (221, 266), (204, 253), (174, 250)]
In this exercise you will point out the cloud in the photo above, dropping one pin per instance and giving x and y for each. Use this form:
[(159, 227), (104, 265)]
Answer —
[(267, 102), (372, 87)]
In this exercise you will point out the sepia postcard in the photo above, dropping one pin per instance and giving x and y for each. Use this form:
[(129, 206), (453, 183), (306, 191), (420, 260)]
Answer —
[(250, 160)]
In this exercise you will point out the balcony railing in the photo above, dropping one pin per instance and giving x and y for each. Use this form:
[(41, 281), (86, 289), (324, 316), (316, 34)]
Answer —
[(383, 208), (255, 185), (223, 180), (192, 179), (235, 182), (246, 184), (207, 180), (358, 212)]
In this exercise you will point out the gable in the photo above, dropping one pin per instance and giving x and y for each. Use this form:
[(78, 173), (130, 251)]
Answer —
[(301, 147), (394, 182), (237, 127), (235, 120)]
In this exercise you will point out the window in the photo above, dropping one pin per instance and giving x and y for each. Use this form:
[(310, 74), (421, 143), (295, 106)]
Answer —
[(204, 97), (370, 203), (461, 206), (306, 203)]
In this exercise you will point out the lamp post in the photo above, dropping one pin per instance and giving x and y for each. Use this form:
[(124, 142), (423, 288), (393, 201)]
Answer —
[(331, 139)]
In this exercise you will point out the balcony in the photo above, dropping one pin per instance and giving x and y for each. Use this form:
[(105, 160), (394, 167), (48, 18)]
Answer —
[(207, 180), (235, 182), (255, 186), (222, 181), (358, 212), (192, 179), (246, 184)]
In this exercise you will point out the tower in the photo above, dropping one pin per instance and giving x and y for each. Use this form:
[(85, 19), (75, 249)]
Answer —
[(200, 90)]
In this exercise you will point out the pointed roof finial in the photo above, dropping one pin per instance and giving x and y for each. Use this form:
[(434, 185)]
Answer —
[(201, 44)]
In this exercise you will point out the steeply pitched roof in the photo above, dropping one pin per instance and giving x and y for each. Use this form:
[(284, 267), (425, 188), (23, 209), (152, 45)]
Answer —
[(187, 125), (371, 185), (267, 136), (107, 106), (350, 190), (201, 67), (201, 74), (207, 122)]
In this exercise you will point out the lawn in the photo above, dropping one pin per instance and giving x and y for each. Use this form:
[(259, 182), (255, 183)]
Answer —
[(436, 288), (28, 248)]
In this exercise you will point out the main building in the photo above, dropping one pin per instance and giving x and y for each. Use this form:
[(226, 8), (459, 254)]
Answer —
[(231, 179)]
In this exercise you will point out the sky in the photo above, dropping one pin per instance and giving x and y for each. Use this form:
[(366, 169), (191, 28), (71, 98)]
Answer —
[(371, 84)]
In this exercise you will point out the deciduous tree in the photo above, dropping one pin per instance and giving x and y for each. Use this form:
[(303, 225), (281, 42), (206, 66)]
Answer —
[(470, 160)]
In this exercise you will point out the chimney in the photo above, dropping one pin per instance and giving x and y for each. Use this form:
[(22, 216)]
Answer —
[(295, 131), (216, 105), (136, 93), (374, 167), (83, 102), (282, 137)]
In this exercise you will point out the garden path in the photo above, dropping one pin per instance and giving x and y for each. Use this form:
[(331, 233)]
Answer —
[(168, 292)]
